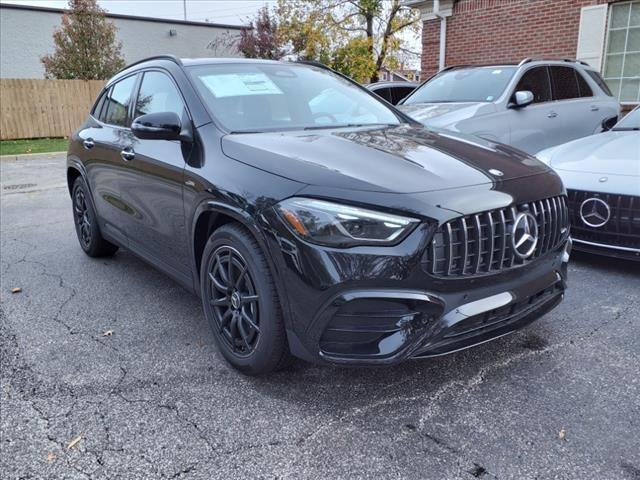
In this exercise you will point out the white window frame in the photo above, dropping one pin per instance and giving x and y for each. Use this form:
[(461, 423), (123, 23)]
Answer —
[(625, 52)]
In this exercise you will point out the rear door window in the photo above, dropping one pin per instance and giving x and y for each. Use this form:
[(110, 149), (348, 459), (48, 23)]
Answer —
[(118, 103), (536, 80), (583, 86), (565, 83), (99, 104), (384, 93), (401, 92)]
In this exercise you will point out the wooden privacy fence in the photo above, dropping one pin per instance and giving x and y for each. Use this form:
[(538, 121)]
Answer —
[(44, 108)]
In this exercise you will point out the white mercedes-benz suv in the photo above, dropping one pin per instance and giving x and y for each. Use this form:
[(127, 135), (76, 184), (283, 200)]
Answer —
[(602, 177), (533, 105)]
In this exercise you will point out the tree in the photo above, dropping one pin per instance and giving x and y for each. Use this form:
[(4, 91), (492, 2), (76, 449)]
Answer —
[(85, 45), (333, 29), (261, 39)]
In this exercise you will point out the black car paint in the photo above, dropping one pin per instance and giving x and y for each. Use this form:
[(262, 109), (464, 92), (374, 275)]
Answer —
[(162, 204)]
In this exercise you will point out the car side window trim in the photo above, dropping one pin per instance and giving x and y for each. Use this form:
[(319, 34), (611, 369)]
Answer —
[(99, 103), (551, 84)]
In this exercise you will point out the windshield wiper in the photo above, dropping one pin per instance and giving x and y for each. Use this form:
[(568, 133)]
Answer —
[(625, 129)]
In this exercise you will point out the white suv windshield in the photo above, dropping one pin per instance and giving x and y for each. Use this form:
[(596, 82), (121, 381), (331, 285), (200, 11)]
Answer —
[(272, 97), (476, 84)]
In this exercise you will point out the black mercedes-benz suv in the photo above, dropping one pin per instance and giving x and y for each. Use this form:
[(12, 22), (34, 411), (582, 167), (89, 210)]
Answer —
[(312, 217)]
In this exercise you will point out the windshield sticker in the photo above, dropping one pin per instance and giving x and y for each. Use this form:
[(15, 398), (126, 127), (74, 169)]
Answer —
[(496, 72), (240, 84), (490, 98)]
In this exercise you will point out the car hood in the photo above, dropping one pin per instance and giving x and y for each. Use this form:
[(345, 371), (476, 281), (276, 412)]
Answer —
[(608, 153), (442, 114), (398, 159)]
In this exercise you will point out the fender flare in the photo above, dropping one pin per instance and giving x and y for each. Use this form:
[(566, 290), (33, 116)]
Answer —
[(74, 163), (249, 222)]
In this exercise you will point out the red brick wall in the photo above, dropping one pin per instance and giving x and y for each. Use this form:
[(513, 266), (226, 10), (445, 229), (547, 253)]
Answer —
[(492, 31)]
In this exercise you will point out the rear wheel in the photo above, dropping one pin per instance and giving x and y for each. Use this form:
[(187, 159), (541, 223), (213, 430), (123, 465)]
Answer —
[(86, 222), (241, 304)]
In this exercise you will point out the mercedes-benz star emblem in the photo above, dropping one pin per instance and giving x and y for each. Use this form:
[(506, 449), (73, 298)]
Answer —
[(595, 212), (524, 235)]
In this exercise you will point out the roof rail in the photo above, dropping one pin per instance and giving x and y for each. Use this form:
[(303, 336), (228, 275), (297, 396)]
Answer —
[(573, 60), (171, 58), (313, 63), (569, 60)]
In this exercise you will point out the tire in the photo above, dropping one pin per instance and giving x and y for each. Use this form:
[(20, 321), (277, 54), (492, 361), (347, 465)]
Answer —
[(241, 304), (86, 223)]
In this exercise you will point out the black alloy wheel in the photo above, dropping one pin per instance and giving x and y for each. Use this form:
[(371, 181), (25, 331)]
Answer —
[(82, 217), (241, 303), (234, 300), (86, 223)]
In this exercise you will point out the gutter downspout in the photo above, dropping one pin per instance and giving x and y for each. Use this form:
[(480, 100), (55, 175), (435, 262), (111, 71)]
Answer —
[(443, 34)]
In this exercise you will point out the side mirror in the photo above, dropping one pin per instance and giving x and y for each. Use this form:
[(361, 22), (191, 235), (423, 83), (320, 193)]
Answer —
[(609, 123), (158, 126), (522, 98)]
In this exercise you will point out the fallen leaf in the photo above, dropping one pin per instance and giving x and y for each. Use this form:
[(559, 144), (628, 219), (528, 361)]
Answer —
[(16, 290), (562, 434), (51, 457), (108, 333), (74, 442)]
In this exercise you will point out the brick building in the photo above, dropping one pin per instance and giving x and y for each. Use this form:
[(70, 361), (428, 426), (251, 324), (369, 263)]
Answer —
[(604, 33)]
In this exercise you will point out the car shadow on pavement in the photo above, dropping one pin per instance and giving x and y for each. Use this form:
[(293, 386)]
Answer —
[(604, 263)]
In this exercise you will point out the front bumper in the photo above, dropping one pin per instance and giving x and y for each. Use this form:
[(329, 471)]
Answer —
[(377, 305), (614, 251)]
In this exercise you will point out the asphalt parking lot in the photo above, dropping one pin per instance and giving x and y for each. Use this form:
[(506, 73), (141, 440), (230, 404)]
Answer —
[(154, 399)]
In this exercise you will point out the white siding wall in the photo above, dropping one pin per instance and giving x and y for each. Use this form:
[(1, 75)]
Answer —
[(26, 35)]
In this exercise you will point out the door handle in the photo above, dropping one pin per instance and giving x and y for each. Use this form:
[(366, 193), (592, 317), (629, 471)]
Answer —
[(128, 154), (552, 115), (595, 108), (88, 143)]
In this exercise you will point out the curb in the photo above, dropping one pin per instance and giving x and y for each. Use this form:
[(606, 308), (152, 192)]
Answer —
[(31, 156)]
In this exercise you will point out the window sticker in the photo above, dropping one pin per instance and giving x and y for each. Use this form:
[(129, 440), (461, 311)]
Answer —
[(496, 72), (240, 84)]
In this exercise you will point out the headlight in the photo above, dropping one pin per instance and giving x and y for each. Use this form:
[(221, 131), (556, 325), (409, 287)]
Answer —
[(335, 225)]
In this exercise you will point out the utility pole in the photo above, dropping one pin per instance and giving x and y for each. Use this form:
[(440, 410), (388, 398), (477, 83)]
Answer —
[(184, 9)]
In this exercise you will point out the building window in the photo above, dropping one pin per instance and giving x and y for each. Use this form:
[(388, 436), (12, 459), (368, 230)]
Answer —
[(622, 61)]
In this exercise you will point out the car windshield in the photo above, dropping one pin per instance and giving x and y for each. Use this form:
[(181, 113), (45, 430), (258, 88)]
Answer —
[(255, 97), (630, 122), (477, 84)]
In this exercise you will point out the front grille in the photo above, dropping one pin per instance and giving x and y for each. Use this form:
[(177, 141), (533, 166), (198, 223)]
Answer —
[(481, 243), (623, 226)]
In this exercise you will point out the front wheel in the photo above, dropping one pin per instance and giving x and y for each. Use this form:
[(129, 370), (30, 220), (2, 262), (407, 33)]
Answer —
[(86, 222), (241, 303)]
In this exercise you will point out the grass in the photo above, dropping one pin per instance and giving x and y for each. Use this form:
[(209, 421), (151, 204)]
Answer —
[(36, 145)]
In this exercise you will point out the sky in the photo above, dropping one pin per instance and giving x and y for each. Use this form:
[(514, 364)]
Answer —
[(234, 12)]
